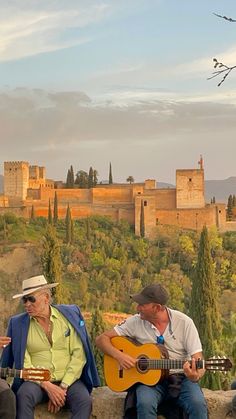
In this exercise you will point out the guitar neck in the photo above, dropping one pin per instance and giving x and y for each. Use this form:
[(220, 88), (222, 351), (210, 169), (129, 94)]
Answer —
[(10, 372), (166, 364)]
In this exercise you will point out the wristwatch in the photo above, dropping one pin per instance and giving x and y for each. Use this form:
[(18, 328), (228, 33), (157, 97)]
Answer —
[(64, 386)]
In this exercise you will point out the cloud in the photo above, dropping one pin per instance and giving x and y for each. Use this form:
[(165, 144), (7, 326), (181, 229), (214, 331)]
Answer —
[(145, 138), (30, 27)]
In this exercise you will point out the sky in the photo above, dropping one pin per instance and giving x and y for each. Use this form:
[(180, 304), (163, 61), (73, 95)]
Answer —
[(89, 83)]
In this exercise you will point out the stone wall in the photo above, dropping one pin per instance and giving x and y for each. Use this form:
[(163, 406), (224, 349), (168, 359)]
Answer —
[(109, 405)]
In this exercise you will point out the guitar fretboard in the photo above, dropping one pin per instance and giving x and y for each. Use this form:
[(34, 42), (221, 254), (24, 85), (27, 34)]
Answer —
[(165, 364), (9, 372)]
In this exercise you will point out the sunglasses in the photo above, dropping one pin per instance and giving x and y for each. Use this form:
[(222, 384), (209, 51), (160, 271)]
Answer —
[(29, 298), (160, 340)]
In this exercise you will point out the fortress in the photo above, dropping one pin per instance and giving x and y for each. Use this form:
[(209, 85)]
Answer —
[(26, 186)]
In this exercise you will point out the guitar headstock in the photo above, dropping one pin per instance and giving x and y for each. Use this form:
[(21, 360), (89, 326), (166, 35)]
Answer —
[(218, 364), (35, 374)]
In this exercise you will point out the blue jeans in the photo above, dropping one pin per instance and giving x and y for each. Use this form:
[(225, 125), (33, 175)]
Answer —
[(78, 400), (190, 398)]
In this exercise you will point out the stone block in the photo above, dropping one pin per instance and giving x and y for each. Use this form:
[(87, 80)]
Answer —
[(109, 405)]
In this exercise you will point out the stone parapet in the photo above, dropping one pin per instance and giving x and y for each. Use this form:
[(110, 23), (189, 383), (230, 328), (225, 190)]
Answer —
[(109, 405)]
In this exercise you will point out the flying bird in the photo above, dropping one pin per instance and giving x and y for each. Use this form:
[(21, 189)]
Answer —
[(225, 17)]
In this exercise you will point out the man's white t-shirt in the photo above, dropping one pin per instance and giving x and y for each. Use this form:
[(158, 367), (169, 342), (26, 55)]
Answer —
[(181, 337)]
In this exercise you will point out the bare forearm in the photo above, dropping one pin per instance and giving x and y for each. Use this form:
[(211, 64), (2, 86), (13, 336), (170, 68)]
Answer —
[(103, 342)]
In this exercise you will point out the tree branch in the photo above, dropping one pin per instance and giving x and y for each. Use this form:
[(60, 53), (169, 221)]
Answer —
[(229, 19), (222, 69)]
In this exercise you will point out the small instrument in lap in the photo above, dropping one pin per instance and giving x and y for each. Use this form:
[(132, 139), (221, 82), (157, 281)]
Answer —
[(151, 365), (31, 374)]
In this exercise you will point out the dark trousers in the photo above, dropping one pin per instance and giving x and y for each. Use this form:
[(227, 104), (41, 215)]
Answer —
[(78, 400), (7, 401)]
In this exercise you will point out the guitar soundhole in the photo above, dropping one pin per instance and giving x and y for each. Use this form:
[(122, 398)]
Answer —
[(142, 364)]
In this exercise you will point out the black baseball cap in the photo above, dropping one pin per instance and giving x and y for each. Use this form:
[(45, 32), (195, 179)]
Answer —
[(153, 293)]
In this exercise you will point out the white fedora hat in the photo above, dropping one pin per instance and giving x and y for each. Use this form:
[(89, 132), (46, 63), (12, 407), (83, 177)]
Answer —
[(35, 283)]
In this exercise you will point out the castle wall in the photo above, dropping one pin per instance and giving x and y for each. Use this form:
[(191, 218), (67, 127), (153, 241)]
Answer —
[(165, 198), (188, 218), (16, 179), (112, 194), (229, 226), (190, 188), (66, 195)]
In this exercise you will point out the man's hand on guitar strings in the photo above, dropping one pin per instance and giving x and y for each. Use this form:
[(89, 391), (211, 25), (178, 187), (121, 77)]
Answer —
[(126, 361), (191, 371)]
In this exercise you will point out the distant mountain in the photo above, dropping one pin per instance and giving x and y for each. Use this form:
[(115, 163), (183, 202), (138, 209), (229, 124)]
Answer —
[(220, 189), (1, 183), (163, 185)]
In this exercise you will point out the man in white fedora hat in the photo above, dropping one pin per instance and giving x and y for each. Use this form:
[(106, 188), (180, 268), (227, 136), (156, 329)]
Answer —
[(52, 337)]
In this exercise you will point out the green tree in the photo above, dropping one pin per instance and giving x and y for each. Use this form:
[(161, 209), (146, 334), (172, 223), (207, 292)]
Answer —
[(110, 175), (72, 176), (229, 212), (98, 327), (130, 179), (49, 212), (234, 201), (88, 229), (52, 263), (82, 179), (142, 220), (95, 177), (68, 222), (70, 179), (32, 214), (90, 178), (55, 209), (204, 307)]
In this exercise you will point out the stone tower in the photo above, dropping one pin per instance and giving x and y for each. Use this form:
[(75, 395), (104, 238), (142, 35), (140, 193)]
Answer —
[(190, 187), (16, 179)]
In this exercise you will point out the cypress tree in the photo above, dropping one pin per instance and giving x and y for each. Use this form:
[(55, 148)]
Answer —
[(213, 200), (55, 209), (110, 175), (52, 263), (72, 230), (234, 201), (68, 225), (204, 307), (142, 220), (95, 178), (72, 177), (90, 178), (229, 211), (68, 179), (98, 327), (32, 214), (49, 212), (88, 229)]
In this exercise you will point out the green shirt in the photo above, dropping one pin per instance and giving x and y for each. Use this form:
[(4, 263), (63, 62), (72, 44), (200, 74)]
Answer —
[(65, 357)]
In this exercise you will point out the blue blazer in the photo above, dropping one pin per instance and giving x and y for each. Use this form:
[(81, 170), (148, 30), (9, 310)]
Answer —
[(13, 354)]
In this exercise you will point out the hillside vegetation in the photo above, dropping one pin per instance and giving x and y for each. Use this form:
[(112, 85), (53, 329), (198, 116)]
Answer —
[(103, 263)]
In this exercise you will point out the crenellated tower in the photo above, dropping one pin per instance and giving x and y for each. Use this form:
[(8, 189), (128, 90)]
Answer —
[(16, 179), (190, 187)]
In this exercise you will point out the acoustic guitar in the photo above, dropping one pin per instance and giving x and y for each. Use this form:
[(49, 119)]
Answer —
[(151, 366), (31, 374)]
